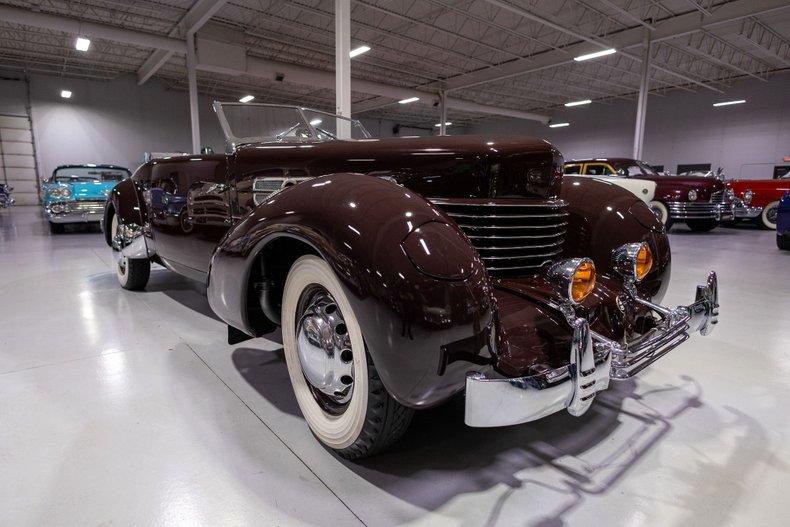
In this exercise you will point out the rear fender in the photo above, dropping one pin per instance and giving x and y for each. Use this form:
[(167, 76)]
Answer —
[(422, 331)]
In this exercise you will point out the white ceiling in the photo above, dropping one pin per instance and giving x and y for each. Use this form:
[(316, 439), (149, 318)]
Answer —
[(420, 43)]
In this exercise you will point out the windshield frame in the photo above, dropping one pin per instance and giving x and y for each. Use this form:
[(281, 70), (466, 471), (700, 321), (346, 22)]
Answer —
[(53, 178), (233, 142)]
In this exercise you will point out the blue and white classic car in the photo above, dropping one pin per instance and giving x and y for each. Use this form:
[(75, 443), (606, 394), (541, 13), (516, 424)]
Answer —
[(77, 193)]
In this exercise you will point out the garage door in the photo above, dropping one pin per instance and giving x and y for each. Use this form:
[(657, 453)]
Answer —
[(17, 158)]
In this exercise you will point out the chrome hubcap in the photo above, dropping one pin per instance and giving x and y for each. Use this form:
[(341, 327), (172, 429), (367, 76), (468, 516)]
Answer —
[(772, 214), (324, 348)]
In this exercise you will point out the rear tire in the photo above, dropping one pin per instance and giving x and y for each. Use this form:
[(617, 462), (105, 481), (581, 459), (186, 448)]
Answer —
[(702, 225), (370, 420), (768, 216), (56, 228), (133, 273), (783, 241)]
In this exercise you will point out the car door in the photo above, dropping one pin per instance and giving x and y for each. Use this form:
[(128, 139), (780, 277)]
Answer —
[(189, 211)]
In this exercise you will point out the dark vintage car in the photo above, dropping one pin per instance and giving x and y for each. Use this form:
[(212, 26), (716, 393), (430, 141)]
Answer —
[(699, 202), (783, 223), (758, 199), (404, 271)]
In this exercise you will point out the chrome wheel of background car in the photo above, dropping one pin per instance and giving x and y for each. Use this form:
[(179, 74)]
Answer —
[(324, 348), (769, 215), (660, 210)]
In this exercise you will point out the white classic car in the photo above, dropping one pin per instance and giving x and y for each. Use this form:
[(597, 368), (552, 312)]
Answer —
[(644, 189)]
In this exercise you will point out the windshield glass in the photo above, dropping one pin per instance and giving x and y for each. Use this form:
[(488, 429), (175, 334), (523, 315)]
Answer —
[(636, 169), (246, 123), (89, 174)]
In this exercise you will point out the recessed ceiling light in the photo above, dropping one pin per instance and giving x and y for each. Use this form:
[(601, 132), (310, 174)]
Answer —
[(407, 101), (559, 125), (66, 94), (446, 123), (247, 98), (578, 103), (82, 44), (595, 55), (727, 103), (316, 122), (358, 51)]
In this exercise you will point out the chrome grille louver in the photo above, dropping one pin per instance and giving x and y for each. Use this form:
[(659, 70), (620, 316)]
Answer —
[(512, 236)]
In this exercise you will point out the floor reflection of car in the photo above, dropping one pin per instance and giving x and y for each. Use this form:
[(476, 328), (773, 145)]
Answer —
[(699, 202), (77, 193)]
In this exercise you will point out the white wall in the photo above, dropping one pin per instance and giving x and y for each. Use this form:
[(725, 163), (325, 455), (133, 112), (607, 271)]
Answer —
[(747, 140), (114, 122)]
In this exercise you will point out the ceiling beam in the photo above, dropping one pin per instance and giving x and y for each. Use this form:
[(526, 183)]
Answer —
[(74, 26), (254, 67), (630, 38), (200, 13)]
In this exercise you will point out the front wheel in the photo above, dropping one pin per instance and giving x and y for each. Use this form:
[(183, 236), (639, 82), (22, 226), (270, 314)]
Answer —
[(662, 213), (783, 242), (702, 225), (335, 381), (133, 273), (769, 215)]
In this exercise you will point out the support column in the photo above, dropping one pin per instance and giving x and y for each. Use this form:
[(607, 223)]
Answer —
[(343, 66), (641, 107), (442, 112), (194, 116)]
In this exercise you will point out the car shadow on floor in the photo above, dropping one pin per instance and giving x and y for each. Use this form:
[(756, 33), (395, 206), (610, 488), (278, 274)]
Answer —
[(440, 458)]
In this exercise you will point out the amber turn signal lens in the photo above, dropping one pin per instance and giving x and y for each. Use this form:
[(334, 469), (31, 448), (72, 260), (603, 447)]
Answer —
[(643, 262), (583, 281)]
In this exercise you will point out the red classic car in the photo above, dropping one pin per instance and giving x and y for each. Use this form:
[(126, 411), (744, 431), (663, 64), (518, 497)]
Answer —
[(699, 202), (758, 199), (403, 271)]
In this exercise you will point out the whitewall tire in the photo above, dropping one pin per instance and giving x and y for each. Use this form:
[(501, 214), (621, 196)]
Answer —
[(768, 216), (133, 273), (660, 210), (113, 230), (354, 423)]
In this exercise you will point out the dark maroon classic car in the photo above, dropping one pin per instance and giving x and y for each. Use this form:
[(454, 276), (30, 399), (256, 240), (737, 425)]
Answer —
[(403, 271), (699, 202)]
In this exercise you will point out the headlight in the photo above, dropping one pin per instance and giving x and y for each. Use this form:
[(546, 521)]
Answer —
[(54, 192), (65, 193), (633, 260), (747, 197), (56, 208), (692, 195), (573, 279)]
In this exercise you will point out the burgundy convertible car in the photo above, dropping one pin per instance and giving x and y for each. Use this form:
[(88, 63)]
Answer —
[(406, 270), (699, 202)]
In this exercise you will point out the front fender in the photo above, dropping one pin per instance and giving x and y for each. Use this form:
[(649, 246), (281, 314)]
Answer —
[(422, 331), (603, 217)]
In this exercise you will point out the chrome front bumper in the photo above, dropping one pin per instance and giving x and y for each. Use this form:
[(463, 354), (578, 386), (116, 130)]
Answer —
[(73, 216), (746, 212), (696, 210), (594, 361)]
